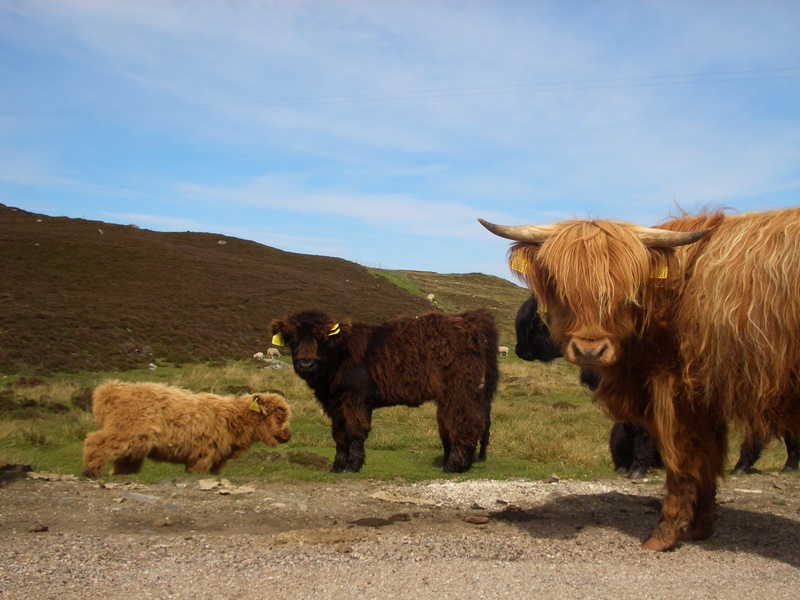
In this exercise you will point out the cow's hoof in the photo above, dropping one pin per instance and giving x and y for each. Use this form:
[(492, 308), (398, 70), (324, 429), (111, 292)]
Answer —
[(665, 537), (456, 468), (699, 530), (656, 544), (638, 474)]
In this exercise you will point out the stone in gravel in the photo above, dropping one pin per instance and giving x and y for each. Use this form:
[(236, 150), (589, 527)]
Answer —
[(476, 520)]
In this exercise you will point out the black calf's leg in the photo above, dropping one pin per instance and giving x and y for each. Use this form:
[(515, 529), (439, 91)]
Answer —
[(342, 444), (749, 454), (621, 446), (792, 451), (644, 454)]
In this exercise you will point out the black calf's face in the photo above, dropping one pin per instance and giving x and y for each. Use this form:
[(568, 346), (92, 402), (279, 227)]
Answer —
[(533, 337), (309, 336)]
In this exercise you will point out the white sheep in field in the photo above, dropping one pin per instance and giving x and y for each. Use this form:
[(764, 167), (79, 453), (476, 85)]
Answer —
[(258, 356), (273, 353), (202, 431), (503, 350)]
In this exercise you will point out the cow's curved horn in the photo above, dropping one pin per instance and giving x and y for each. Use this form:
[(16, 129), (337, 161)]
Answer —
[(664, 238), (520, 233)]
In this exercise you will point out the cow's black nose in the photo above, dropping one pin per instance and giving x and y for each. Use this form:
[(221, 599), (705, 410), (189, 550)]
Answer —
[(305, 365)]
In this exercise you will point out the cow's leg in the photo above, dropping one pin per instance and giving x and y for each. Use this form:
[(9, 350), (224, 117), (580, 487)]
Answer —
[(485, 436), (218, 466), (101, 447), (749, 454), (355, 426), (619, 443), (94, 454), (444, 435), (127, 466), (338, 431), (464, 424), (644, 453), (200, 460), (792, 451), (693, 463)]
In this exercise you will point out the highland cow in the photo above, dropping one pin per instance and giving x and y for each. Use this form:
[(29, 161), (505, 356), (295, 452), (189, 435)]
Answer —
[(633, 450), (691, 325), (354, 368), (201, 431)]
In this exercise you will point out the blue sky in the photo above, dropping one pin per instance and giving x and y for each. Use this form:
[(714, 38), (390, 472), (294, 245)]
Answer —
[(380, 131)]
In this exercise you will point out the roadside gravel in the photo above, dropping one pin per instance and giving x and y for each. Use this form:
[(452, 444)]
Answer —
[(73, 538)]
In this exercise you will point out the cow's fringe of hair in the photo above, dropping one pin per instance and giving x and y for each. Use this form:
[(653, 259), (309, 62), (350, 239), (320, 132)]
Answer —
[(631, 283)]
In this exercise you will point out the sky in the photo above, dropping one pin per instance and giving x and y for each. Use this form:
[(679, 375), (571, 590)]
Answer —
[(379, 131)]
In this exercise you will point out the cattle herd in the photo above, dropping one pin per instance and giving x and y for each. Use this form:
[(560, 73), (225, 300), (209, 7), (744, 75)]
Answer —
[(680, 330)]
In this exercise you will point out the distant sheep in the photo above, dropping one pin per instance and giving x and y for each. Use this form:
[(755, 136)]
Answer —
[(503, 350), (273, 353), (430, 297), (202, 431), (258, 356)]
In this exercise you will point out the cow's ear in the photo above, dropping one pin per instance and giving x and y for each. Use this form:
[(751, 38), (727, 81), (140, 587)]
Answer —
[(257, 406), (335, 331), (278, 328)]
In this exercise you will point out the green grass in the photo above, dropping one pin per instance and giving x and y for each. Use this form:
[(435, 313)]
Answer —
[(43, 424)]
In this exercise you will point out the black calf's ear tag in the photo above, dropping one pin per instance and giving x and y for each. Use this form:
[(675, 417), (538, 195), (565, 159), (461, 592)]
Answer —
[(334, 330)]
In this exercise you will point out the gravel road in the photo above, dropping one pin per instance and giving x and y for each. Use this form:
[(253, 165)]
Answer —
[(62, 537)]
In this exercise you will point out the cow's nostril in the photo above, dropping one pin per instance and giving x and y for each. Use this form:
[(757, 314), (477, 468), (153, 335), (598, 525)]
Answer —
[(589, 351)]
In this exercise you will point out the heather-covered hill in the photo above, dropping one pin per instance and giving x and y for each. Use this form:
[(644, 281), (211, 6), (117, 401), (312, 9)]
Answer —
[(78, 294)]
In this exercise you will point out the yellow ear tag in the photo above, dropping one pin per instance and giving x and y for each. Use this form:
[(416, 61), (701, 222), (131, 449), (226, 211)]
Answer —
[(518, 263), (255, 407), (334, 330), (277, 340), (660, 272)]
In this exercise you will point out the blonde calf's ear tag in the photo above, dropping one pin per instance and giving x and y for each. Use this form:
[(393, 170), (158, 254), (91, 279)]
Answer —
[(334, 330), (277, 340), (254, 406)]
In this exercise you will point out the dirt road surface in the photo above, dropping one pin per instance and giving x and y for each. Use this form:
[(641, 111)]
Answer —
[(62, 537)]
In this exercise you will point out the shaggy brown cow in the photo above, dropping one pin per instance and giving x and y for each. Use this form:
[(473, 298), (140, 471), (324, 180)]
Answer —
[(691, 325), (355, 368), (202, 431)]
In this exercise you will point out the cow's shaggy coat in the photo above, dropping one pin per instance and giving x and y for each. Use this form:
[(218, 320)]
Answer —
[(689, 332), (201, 431), (354, 368)]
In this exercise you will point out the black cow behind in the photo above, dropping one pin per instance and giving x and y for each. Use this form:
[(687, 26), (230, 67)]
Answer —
[(633, 450), (354, 368)]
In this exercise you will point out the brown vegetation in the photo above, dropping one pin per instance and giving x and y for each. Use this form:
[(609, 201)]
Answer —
[(74, 298)]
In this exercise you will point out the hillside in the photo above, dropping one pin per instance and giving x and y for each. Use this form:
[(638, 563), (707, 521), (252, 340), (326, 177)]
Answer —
[(79, 294)]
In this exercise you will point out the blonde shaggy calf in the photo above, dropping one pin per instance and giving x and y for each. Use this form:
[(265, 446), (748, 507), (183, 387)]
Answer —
[(201, 431)]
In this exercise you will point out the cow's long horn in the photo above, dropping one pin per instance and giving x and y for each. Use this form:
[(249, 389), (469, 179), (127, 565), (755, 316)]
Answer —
[(664, 238), (520, 233)]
